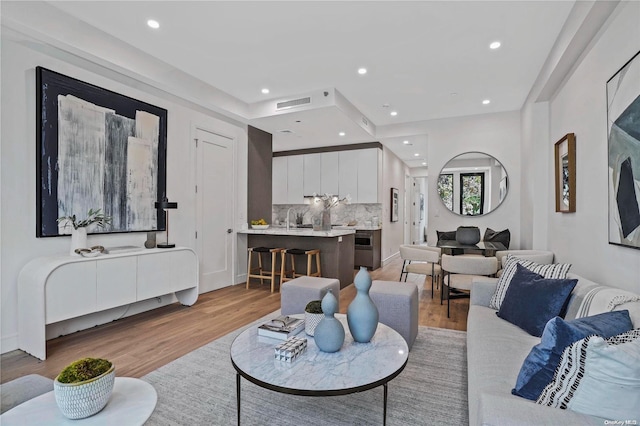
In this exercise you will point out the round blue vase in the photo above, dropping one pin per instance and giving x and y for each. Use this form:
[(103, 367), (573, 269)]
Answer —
[(329, 333), (362, 313)]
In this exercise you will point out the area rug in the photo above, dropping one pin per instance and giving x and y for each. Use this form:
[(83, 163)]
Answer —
[(200, 389)]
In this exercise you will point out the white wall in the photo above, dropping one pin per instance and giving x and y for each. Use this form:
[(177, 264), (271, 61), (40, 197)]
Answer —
[(18, 175), (495, 134), (579, 106), (393, 173)]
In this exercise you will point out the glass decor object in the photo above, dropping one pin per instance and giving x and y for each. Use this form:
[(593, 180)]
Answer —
[(362, 313)]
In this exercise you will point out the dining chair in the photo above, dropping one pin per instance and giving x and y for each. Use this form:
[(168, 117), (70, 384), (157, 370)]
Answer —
[(422, 260), (459, 272)]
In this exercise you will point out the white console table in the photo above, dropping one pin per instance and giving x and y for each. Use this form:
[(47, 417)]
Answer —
[(57, 288)]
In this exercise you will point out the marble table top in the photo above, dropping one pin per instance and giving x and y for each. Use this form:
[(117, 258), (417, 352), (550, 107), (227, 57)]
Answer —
[(131, 403), (355, 367), (299, 232)]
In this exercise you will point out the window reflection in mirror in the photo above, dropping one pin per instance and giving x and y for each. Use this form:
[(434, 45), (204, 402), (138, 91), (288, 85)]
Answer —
[(472, 184)]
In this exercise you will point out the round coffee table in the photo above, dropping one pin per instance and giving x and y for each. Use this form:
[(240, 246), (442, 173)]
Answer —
[(356, 367)]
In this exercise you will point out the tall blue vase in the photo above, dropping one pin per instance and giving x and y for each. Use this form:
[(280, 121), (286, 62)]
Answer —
[(362, 313), (329, 333)]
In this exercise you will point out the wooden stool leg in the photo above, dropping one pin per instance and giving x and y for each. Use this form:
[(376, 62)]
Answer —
[(249, 268), (293, 266), (274, 257), (283, 262), (260, 268), (309, 256), (318, 264)]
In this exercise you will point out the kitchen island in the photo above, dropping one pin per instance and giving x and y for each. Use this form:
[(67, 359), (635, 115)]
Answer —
[(336, 248)]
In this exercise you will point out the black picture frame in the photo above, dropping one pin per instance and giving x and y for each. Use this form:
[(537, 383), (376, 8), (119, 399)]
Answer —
[(111, 161), (394, 204), (623, 159)]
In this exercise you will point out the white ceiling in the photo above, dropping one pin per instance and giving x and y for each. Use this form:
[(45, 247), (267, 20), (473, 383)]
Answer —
[(425, 59)]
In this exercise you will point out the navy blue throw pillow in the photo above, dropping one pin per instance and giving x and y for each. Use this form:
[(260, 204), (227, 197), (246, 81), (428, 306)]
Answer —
[(540, 365), (531, 300)]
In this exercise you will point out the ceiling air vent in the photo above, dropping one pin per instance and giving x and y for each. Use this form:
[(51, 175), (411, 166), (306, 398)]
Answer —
[(293, 103)]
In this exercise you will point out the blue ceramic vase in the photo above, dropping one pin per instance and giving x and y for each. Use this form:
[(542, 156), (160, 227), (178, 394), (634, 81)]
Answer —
[(329, 333), (362, 313)]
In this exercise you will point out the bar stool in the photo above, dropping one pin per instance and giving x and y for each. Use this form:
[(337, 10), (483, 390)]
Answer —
[(263, 274), (299, 252)]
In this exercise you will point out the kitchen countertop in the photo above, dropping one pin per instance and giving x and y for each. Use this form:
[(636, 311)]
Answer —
[(301, 232)]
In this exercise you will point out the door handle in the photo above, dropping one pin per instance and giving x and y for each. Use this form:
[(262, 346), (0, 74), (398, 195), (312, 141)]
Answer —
[(229, 231)]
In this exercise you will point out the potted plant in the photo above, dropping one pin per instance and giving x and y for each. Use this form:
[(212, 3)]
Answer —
[(312, 316), (84, 387), (79, 231)]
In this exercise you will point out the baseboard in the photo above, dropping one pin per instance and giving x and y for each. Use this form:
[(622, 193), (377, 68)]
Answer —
[(391, 258)]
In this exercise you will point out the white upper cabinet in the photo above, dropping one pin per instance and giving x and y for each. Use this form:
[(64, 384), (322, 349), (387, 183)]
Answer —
[(348, 175), (312, 182), (368, 176), (295, 172), (356, 173), (279, 180), (329, 177)]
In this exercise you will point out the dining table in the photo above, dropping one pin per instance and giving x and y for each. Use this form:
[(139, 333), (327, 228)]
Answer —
[(486, 248)]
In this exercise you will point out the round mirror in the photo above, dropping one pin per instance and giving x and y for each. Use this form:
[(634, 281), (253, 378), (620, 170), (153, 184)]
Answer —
[(473, 184)]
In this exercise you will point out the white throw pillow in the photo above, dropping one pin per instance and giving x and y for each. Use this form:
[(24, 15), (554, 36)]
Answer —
[(553, 270), (598, 377)]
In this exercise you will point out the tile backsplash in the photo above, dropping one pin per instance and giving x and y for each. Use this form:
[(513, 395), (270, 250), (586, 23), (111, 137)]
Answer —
[(340, 214)]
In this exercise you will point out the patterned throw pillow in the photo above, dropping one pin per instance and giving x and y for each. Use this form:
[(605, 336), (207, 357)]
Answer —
[(598, 377), (554, 270)]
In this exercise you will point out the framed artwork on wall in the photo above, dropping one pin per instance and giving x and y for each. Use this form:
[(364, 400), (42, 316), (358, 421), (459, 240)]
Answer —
[(394, 204), (565, 174), (97, 149), (623, 131)]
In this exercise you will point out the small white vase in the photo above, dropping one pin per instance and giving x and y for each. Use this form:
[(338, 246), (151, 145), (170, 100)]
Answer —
[(78, 240), (311, 321)]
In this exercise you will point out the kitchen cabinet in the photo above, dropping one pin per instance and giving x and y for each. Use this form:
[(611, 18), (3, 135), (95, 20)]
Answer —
[(348, 175), (312, 169), (354, 172), (368, 175), (295, 178), (279, 180), (329, 179)]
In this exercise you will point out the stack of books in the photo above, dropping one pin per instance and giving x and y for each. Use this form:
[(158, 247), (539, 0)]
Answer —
[(281, 327)]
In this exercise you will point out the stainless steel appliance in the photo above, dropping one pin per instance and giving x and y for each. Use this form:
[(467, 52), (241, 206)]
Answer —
[(367, 248)]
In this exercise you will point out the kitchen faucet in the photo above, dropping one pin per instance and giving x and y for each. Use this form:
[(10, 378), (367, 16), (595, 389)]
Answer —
[(288, 211)]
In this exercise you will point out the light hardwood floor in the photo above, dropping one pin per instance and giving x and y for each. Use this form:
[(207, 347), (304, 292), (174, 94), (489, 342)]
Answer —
[(142, 343)]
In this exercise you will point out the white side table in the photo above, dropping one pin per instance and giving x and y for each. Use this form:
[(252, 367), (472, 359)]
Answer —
[(131, 403)]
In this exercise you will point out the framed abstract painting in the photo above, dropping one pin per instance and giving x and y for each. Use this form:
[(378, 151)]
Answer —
[(623, 130), (97, 149)]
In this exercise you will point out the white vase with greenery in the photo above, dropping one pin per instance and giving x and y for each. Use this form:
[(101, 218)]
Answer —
[(79, 231)]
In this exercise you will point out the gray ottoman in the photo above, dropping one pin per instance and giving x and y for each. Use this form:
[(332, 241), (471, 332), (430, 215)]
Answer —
[(295, 294), (397, 304)]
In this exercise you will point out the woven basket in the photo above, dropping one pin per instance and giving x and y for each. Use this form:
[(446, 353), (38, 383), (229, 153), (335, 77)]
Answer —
[(84, 399), (311, 321)]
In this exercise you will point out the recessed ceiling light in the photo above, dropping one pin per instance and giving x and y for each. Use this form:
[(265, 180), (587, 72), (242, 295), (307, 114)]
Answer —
[(454, 93), (265, 91), (424, 163), (486, 102), (153, 24), (405, 142), (341, 134), (362, 71), (393, 113), (416, 155), (494, 45)]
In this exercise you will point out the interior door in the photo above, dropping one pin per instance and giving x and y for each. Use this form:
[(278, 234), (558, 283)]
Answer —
[(214, 209)]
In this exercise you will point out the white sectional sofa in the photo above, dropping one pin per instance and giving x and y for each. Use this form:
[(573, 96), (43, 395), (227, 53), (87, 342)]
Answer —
[(496, 350)]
